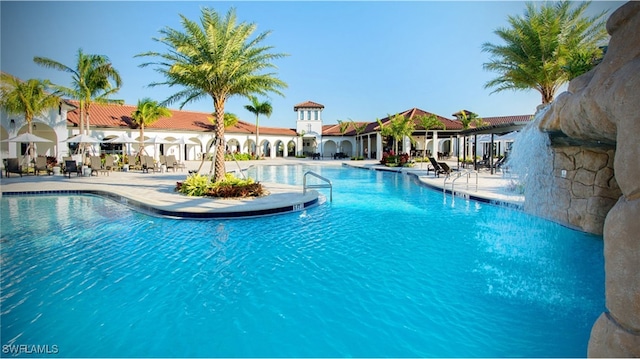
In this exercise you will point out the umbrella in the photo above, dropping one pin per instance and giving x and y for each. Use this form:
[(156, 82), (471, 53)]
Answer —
[(124, 139), (181, 142), (82, 139), (156, 140), (26, 137)]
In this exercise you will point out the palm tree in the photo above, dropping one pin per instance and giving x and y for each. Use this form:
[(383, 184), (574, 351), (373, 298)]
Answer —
[(301, 141), (91, 82), (540, 44), (258, 108), (398, 127), (466, 119), (343, 126), (147, 112), (230, 119), (218, 58), (28, 98), (359, 128), (429, 122)]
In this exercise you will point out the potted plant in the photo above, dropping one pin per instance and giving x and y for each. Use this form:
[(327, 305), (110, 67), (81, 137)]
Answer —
[(52, 164)]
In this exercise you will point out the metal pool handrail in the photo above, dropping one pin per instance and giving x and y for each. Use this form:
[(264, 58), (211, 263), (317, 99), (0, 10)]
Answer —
[(321, 185), (457, 177)]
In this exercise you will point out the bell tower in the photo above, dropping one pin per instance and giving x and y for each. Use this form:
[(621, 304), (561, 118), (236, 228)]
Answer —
[(309, 125)]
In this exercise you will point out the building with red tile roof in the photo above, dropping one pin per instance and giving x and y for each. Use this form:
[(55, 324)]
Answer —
[(309, 136)]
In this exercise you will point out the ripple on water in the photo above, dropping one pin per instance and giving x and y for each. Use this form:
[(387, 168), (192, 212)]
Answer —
[(420, 278)]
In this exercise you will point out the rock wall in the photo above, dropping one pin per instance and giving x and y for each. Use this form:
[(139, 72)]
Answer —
[(583, 188), (602, 107)]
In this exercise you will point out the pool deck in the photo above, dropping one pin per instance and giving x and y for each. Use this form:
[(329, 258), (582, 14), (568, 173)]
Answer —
[(154, 192), (493, 188)]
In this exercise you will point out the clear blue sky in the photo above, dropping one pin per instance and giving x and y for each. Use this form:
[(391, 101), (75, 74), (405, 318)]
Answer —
[(361, 60)]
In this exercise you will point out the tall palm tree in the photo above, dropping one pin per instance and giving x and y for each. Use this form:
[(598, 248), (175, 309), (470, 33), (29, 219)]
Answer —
[(258, 108), (343, 126), (429, 122), (398, 127), (359, 128), (230, 119), (94, 79), (540, 44), (218, 58), (147, 112), (29, 98)]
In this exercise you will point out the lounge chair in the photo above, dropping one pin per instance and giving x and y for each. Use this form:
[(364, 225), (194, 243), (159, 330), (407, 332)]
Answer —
[(96, 164), (41, 165), (435, 167), (149, 164), (109, 163), (12, 165), (439, 167), (171, 162), (445, 168), (134, 164), (71, 166)]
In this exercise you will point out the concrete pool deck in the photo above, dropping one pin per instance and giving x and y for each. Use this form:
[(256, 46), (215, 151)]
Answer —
[(154, 192)]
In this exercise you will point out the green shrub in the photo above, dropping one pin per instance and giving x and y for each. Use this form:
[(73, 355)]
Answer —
[(195, 185), (231, 187), (239, 157)]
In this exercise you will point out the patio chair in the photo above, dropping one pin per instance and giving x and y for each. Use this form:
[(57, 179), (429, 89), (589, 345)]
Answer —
[(109, 163), (41, 165), (435, 167), (171, 162), (71, 166), (12, 165), (149, 164), (445, 168), (96, 164), (134, 164)]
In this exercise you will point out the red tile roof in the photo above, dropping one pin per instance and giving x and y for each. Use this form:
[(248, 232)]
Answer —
[(413, 114), (119, 116), (334, 130), (115, 116), (307, 104)]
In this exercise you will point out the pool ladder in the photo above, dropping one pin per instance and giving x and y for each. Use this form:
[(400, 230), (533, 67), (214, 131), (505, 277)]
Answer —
[(457, 176), (327, 184)]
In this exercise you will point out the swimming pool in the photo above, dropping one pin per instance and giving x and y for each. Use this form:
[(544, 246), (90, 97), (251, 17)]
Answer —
[(388, 269)]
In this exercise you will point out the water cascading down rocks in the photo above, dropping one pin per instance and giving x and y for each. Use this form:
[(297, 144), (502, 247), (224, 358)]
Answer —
[(594, 175)]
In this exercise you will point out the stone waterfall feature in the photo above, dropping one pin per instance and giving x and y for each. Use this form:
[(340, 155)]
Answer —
[(595, 139)]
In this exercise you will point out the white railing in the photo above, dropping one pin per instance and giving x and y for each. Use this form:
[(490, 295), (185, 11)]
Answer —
[(456, 176), (327, 184)]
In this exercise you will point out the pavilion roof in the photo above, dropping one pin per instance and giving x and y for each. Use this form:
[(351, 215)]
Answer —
[(119, 116)]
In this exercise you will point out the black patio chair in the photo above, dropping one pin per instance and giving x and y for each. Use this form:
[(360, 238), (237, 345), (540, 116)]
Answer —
[(71, 167), (12, 165)]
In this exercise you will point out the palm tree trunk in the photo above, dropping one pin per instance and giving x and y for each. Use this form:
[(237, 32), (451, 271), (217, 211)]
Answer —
[(141, 149), (220, 170), (547, 95), (81, 109), (87, 122), (257, 137)]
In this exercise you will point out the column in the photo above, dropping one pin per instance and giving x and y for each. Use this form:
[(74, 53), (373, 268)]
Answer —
[(434, 145)]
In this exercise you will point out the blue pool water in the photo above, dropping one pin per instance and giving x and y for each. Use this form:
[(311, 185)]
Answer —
[(388, 269)]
